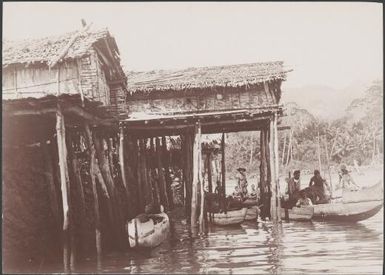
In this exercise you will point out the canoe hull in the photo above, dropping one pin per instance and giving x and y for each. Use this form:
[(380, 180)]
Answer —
[(148, 234), (372, 193), (298, 213), (232, 217), (347, 212), (249, 202), (252, 213)]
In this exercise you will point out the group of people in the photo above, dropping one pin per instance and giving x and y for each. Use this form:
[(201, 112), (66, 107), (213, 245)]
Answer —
[(316, 192)]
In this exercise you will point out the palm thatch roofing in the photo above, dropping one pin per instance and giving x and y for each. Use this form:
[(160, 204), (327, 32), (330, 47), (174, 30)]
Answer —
[(205, 77), (43, 50)]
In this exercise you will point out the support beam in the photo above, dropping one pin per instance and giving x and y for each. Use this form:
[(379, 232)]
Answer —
[(273, 153), (196, 176), (223, 187), (93, 165), (64, 184), (122, 162)]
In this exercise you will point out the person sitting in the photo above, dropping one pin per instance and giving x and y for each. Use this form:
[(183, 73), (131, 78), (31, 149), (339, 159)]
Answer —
[(346, 180), (253, 193), (237, 193), (293, 187), (317, 188), (303, 200)]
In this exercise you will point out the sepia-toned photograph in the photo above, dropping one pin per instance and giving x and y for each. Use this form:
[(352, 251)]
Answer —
[(192, 138)]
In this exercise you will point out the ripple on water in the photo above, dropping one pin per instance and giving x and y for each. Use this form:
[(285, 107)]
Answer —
[(295, 247)]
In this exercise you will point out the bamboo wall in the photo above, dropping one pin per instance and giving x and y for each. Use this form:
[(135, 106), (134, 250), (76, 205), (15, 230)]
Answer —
[(21, 81), (206, 99)]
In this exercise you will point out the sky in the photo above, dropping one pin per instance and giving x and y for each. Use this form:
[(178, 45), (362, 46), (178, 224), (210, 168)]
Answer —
[(333, 44)]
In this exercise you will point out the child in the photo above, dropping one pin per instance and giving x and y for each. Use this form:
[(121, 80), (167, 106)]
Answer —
[(303, 200)]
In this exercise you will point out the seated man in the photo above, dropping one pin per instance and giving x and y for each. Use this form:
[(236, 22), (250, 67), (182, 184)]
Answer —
[(303, 199), (293, 188), (317, 188)]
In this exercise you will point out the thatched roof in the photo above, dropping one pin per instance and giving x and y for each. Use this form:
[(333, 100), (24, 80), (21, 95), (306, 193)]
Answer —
[(43, 50), (205, 77)]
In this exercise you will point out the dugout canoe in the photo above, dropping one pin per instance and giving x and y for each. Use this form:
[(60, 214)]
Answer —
[(231, 217), (347, 212), (372, 193), (304, 213), (252, 213), (249, 202), (148, 230)]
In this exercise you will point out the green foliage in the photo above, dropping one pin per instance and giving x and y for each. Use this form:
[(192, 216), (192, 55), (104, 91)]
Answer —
[(356, 136)]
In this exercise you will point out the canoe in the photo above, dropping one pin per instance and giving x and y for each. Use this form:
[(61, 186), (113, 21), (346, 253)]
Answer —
[(372, 193), (252, 213), (148, 230), (347, 212), (304, 213), (249, 202), (232, 217)]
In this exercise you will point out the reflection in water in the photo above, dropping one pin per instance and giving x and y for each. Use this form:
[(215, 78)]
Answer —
[(290, 247)]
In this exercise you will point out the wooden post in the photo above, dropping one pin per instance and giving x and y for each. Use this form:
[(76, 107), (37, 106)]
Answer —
[(319, 154), (284, 149), (153, 174), (201, 184), (289, 147), (64, 180), (273, 202), (195, 167), (264, 184), (161, 175), (276, 167), (328, 163), (187, 145), (51, 184), (93, 165), (122, 162), (77, 187), (166, 165), (209, 173), (223, 171)]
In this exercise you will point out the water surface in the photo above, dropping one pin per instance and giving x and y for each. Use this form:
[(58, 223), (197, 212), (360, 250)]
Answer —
[(289, 248)]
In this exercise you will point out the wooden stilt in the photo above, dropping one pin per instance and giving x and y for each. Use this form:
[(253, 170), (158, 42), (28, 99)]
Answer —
[(195, 167), (209, 173), (187, 145), (93, 165), (78, 192), (122, 162), (64, 179), (54, 205), (276, 167), (201, 184), (166, 165), (273, 153), (161, 175), (283, 150), (263, 184), (223, 187)]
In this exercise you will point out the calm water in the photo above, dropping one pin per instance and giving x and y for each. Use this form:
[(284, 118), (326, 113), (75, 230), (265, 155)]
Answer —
[(290, 248)]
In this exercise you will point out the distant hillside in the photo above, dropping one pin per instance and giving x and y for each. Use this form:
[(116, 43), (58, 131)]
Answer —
[(296, 116), (323, 101)]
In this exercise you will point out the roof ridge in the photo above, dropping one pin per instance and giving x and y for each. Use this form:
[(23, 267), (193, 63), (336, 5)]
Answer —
[(53, 36), (208, 67)]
